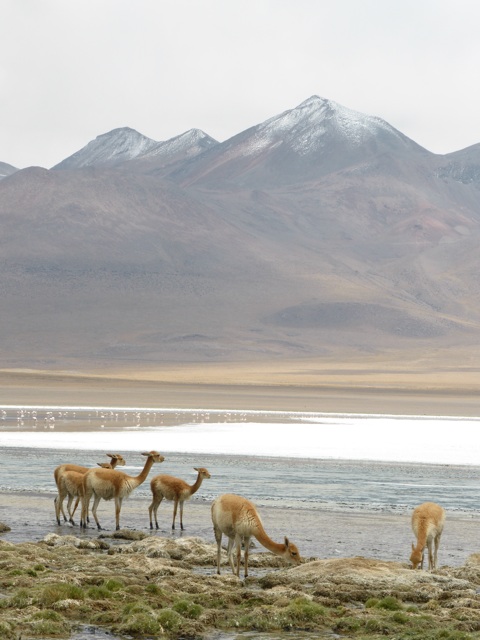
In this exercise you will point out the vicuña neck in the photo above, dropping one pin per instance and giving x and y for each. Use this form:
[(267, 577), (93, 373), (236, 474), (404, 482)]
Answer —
[(265, 540), (196, 485), (421, 539), (142, 476)]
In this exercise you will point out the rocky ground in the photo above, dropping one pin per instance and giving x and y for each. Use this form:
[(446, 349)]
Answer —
[(135, 585)]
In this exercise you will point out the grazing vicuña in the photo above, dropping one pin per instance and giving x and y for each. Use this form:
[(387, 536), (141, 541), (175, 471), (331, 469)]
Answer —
[(427, 524), (238, 519)]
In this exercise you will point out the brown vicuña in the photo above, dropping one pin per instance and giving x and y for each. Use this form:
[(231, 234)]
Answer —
[(427, 524), (238, 519), (108, 484), (175, 489), (115, 460)]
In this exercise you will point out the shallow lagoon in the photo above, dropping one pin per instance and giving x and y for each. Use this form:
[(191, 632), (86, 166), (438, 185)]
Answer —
[(318, 478), (338, 485)]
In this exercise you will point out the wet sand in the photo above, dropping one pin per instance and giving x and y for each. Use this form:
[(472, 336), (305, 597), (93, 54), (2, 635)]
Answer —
[(320, 534)]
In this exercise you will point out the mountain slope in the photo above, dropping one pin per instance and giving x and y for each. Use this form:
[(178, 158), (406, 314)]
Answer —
[(6, 170), (164, 156), (461, 166), (320, 230), (109, 149), (314, 139)]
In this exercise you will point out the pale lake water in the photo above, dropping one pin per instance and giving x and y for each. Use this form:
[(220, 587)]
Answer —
[(328, 481)]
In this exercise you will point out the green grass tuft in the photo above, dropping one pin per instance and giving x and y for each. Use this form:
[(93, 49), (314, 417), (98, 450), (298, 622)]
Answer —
[(169, 620), (400, 618), (141, 624), (61, 591), (390, 603), (113, 585), (7, 630), (136, 607), (187, 609)]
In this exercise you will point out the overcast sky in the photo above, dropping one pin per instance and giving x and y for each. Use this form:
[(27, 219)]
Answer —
[(73, 69)]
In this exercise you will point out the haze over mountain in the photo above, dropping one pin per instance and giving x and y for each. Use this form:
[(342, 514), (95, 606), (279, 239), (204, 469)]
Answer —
[(320, 230)]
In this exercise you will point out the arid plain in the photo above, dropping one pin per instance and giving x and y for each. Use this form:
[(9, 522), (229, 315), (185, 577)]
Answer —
[(436, 382)]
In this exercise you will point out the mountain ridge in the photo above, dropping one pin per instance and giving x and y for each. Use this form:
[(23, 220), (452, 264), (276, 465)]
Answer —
[(319, 230)]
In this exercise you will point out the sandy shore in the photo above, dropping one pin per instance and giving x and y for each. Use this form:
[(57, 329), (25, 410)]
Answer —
[(295, 386)]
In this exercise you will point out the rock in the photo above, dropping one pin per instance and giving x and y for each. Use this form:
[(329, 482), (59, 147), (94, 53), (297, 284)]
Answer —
[(473, 560), (66, 605), (194, 551), (54, 540), (125, 534), (4, 528)]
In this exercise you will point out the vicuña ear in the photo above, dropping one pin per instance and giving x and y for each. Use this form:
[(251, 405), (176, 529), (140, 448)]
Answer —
[(195, 468), (286, 542), (110, 455)]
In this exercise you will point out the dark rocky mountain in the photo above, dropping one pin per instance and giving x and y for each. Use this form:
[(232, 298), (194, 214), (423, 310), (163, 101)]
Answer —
[(319, 231)]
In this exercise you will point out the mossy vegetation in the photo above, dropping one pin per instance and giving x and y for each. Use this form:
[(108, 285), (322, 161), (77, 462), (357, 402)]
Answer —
[(133, 590)]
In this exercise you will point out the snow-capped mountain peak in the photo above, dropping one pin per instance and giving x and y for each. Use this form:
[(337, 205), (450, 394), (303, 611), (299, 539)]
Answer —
[(312, 124), (316, 137), (109, 149), (124, 144), (189, 143)]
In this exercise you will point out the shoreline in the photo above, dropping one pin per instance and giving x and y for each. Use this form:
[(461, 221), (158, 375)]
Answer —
[(447, 398), (319, 533)]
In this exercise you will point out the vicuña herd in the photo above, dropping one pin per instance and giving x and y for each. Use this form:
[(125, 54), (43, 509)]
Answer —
[(232, 516)]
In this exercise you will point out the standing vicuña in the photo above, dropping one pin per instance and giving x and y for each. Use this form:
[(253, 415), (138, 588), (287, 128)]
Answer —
[(59, 473), (238, 519), (427, 524), (70, 484), (175, 489), (108, 484)]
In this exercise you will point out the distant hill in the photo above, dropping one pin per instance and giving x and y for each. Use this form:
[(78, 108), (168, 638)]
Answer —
[(6, 170), (318, 230)]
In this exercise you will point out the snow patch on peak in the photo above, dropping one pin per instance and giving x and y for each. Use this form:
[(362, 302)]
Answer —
[(109, 149), (189, 143), (313, 101), (309, 126)]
